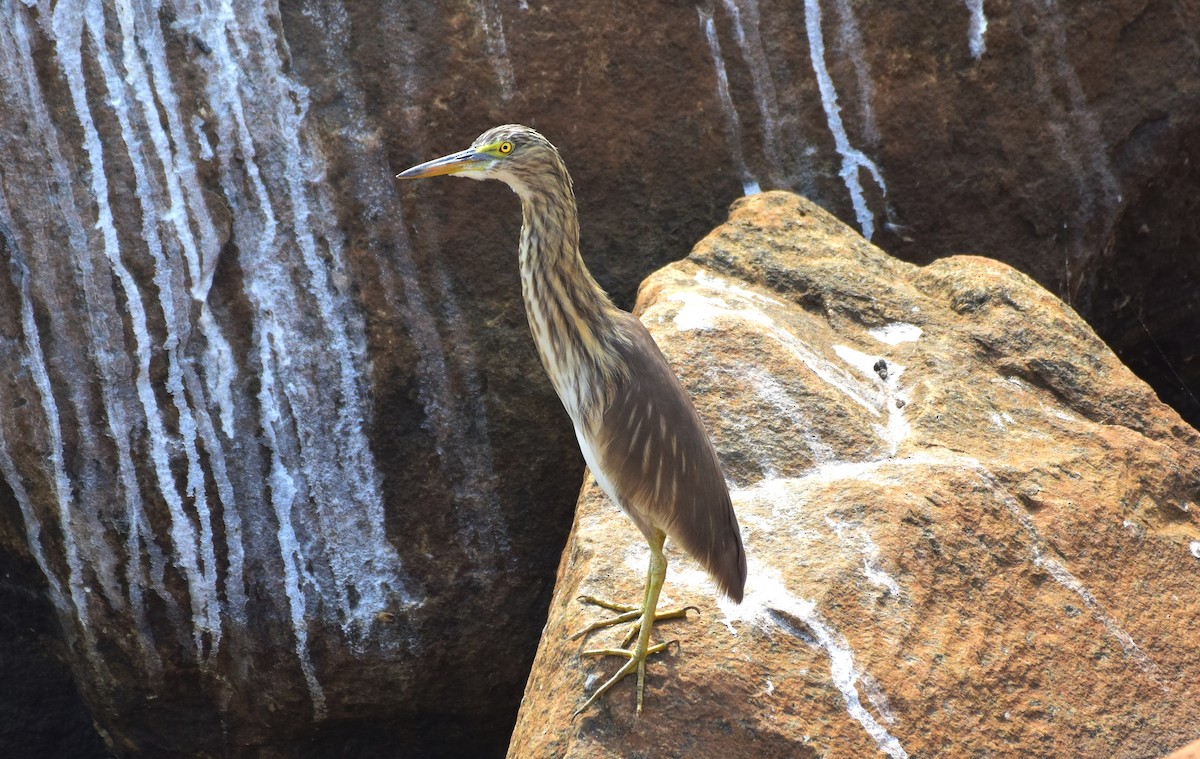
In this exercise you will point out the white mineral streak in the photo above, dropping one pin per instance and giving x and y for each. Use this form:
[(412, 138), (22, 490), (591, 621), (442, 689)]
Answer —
[(701, 312), (307, 346), (1072, 125), (229, 95), (492, 22), (325, 486), (733, 124), (458, 420), (745, 17), (769, 603), (976, 28), (1059, 572), (857, 539), (71, 600), (881, 397), (769, 606), (17, 57), (68, 23), (283, 497), (111, 369), (1083, 147), (768, 388), (185, 207), (721, 285), (851, 43), (196, 547), (853, 159), (1194, 547)]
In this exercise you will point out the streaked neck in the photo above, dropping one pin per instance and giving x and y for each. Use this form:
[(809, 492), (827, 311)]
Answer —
[(569, 314)]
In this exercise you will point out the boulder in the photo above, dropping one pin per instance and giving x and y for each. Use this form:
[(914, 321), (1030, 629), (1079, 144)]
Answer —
[(970, 529), (278, 468), (1190, 751)]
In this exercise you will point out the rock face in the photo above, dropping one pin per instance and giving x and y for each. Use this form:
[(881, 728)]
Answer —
[(1190, 751), (277, 466), (245, 431), (970, 529)]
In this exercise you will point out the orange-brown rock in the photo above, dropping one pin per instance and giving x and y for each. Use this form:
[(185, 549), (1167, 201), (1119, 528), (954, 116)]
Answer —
[(1190, 751), (277, 462), (971, 530)]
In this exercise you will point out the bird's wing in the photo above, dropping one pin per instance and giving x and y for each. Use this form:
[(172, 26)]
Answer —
[(658, 457)]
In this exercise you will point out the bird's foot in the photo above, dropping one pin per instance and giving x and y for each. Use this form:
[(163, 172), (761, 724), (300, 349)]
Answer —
[(637, 661), (627, 613)]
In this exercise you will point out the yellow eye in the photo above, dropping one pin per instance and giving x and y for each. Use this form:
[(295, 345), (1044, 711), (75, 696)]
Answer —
[(505, 148)]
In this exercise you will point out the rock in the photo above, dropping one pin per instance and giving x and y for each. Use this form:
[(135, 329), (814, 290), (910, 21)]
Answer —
[(1190, 751), (246, 431), (272, 427), (41, 713), (970, 529)]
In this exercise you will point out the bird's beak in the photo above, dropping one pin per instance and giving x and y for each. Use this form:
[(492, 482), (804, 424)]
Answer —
[(464, 160)]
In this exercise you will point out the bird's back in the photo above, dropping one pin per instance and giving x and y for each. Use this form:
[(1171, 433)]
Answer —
[(660, 464)]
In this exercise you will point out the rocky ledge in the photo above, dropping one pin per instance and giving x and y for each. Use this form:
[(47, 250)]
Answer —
[(971, 530)]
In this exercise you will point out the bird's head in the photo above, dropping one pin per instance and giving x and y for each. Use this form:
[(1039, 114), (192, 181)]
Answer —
[(515, 154)]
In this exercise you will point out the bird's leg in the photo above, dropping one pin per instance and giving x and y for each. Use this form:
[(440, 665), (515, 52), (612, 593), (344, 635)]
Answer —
[(637, 657), (629, 613)]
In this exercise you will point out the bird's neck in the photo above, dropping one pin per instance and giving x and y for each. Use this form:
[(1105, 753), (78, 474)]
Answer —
[(570, 316)]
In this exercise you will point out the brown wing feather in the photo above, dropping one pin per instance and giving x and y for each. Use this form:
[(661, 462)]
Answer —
[(657, 455)]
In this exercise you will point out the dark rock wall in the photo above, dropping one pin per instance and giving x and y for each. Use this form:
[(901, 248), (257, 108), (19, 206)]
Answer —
[(276, 436)]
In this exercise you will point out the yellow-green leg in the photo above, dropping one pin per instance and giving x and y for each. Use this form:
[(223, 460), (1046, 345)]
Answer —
[(655, 575), (628, 613)]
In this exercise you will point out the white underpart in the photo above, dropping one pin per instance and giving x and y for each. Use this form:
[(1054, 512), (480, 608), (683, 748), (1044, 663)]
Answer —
[(593, 462)]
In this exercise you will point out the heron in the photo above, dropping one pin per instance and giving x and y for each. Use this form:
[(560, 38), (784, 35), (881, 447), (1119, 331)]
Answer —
[(638, 431)]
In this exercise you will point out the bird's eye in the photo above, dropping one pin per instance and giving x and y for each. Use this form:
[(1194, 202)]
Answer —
[(505, 148)]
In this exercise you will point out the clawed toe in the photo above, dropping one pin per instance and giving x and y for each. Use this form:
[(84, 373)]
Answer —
[(627, 613), (637, 655)]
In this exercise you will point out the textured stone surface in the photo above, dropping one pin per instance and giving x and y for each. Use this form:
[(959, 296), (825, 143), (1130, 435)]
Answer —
[(1190, 751), (280, 457), (970, 529)]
